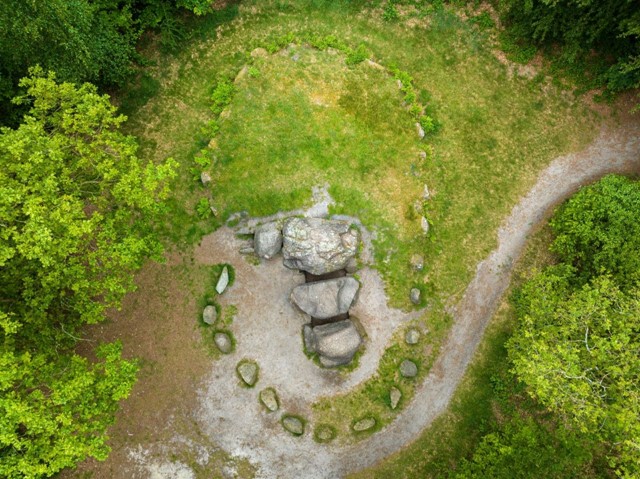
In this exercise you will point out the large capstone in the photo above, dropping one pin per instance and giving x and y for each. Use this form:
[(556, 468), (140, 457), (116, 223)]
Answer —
[(318, 246), (326, 299), (336, 343), (267, 241)]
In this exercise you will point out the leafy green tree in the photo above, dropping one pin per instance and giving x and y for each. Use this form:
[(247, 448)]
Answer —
[(580, 27), (76, 213), (598, 230), (577, 349)]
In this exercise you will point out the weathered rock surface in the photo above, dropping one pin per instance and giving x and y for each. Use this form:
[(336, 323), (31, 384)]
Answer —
[(325, 433), (205, 178), (267, 240), (408, 369), (309, 338), (424, 224), (417, 262), (412, 336), (419, 130), (394, 397), (223, 342), (210, 315), (336, 343), (318, 246), (269, 399), (364, 424), (293, 424), (248, 372), (326, 299), (414, 296), (223, 281)]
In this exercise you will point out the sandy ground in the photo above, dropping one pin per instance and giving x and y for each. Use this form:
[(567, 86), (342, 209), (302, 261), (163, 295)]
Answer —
[(198, 405)]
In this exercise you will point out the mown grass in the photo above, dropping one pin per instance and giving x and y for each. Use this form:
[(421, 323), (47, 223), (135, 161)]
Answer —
[(296, 124)]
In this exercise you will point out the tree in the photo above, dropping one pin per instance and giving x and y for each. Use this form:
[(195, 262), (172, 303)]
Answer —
[(598, 230), (76, 208), (577, 343), (610, 28)]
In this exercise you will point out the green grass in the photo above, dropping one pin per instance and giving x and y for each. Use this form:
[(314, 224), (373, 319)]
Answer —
[(297, 124)]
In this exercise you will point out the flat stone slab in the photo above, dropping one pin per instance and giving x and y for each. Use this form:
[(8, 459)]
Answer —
[(223, 281), (248, 371), (293, 424), (326, 299), (364, 424), (408, 369), (269, 399), (317, 245), (210, 314), (223, 342)]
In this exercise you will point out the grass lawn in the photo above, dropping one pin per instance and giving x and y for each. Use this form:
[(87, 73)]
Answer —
[(294, 123)]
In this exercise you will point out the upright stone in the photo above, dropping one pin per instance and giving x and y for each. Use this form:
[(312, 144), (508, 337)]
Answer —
[(267, 240), (248, 371), (269, 399), (412, 336), (417, 262), (414, 296), (394, 397), (293, 424), (223, 342), (408, 369), (223, 281), (209, 315), (419, 130)]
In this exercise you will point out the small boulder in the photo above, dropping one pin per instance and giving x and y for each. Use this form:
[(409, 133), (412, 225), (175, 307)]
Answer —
[(259, 52), (364, 424), (248, 371), (426, 194), (205, 178), (267, 240), (424, 224), (417, 262), (293, 424), (210, 314), (296, 57), (336, 343), (223, 342), (352, 266), (324, 433), (394, 397), (419, 130), (223, 281), (317, 245), (422, 155), (412, 336), (269, 399), (414, 296), (408, 369), (326, 299)]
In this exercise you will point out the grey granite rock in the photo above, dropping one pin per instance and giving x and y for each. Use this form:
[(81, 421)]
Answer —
[(326, 299), (408, 369)]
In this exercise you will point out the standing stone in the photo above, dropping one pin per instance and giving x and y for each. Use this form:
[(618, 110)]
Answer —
[(318, 246), (426, 194), (248, 371), (394, 397), (326, 299), (223, 281), (293, 424), (424, 224), (267, 240), (412, 336), (408, 369), (210, 315), (417, 262), (364, 424), (223, 342), (422, 155), (205, 178), (269, 399), (414, 296), (419, 130)]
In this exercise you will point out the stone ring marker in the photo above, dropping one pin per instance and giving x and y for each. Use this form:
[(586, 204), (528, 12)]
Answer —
[(325, 250)]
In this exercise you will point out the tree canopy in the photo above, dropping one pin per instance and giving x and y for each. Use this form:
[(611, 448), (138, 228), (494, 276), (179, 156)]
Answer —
[(577, 344), (76, 209)]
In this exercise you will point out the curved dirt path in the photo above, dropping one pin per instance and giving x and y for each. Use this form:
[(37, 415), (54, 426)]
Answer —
[(277, 454)]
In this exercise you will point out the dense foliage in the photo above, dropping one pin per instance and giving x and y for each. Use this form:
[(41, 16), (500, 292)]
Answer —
[(75, 209), (610, 28), (84, 40), (577, 345)]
